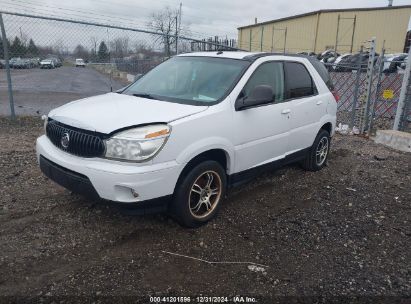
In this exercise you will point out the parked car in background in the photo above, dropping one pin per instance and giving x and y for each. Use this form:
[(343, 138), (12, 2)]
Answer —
[(392, 62), (22, 63), (190, 128), (57, 62), (343, 63), (403, 64), (12, 61), (2, 64), (47, 64), (35, 62), (80, 63), (328, 56), (308, 54)]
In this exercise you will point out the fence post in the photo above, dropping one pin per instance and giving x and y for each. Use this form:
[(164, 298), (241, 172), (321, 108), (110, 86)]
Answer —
[(356, 89), (400, 115), (370, 72), (377, 90), (6, 57)]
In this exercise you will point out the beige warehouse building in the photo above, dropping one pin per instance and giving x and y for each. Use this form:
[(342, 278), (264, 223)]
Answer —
[(342, 29)]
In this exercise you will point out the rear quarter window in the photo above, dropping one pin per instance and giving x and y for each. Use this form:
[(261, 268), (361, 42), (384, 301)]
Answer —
[(298, 81), (322, 70)]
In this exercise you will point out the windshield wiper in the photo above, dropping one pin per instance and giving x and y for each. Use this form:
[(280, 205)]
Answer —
[(144, 95)]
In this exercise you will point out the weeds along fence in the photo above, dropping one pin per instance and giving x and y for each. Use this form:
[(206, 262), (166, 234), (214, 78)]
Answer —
[(368, 96)]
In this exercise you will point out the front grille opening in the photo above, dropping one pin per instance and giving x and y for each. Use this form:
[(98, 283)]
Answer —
[(75, 141)]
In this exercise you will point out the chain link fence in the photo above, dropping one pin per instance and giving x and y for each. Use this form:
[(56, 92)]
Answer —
[(46, 55), (351, 82)]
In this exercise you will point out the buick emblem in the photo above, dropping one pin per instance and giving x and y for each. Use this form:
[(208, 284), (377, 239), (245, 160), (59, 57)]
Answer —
[(65, 140)]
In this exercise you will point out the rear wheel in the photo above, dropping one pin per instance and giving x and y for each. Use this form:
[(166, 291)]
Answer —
[(198, 194), (317, 156)]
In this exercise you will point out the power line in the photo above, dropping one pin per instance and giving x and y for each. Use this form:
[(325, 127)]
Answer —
[(49, 10)]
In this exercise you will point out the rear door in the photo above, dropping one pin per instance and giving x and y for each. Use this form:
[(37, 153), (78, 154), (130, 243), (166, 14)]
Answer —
[(307, 106)]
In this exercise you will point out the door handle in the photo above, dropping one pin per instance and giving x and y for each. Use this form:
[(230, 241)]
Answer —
[(285, 111), (319, 102)]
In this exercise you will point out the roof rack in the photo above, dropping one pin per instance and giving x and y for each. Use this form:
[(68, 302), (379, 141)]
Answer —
[(254, 57)]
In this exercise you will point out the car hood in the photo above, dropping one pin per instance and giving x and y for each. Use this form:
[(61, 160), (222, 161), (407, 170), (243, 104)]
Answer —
[(110, 112)]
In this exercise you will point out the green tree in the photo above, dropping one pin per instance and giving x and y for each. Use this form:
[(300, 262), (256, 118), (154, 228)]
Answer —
[(103, 54), (17, 49), (32, 49)]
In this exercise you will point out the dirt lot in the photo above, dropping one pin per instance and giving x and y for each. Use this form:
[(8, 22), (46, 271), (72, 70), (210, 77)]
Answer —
[(340, 233)]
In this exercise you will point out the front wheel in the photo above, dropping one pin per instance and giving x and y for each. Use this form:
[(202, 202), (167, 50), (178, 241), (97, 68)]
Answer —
[(198, 194), (317, 156)]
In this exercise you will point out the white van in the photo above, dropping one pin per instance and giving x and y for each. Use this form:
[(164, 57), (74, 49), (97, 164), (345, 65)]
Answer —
[(80, 63), (192, 127)]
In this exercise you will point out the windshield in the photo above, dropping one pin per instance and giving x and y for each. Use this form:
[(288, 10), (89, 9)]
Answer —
[(190, 80)]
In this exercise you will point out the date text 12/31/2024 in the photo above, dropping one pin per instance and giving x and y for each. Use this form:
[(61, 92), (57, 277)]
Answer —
[(203, 299)]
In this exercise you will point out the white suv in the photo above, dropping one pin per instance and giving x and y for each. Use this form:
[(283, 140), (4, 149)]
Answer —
[(190, 128)]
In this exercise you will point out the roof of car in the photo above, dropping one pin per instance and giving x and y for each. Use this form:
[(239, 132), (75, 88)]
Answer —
[(250, 56), (221, 54)]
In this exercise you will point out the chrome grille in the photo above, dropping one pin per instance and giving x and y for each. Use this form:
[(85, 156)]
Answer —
[(76, 141)]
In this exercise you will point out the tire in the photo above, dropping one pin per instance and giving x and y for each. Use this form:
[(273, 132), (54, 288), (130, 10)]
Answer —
[(190, 207), (313, 160)]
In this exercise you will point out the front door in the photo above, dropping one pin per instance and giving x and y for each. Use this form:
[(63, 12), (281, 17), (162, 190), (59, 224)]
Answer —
[(261, 132)]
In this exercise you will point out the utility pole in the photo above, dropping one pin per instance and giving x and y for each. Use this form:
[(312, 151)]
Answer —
[(176, 35), (178, 26)]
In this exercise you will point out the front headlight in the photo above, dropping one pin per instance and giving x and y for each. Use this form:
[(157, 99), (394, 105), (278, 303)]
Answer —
[(137, 144)]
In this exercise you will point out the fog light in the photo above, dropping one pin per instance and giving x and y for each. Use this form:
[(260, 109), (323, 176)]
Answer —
[(134, 193)]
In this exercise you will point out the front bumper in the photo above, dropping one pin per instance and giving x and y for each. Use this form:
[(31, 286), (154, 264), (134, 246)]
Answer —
[(108, 179), (68, 179)]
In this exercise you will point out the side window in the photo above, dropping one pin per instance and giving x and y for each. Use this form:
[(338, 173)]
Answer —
[(298, 81), (269, 73)]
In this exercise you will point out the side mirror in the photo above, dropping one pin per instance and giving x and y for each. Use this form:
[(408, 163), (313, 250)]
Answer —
[(261, 94)]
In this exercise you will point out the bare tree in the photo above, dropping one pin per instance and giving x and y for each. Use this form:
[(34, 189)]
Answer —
[(119, 47), (165, 23), (94, 42), (81, 52)]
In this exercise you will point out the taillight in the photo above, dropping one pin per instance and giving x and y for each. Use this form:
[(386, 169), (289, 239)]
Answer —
[(336, 96)]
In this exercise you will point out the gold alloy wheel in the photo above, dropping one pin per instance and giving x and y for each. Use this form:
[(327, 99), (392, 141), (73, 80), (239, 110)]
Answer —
[(322, 151), (205, 194)]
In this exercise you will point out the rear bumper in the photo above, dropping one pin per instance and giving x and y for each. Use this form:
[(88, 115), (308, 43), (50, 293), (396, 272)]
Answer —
[(107, 179)]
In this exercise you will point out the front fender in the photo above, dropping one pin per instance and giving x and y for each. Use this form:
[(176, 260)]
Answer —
[(207, 144)]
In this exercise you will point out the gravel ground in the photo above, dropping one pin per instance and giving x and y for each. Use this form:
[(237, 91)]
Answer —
[(338, 235)]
